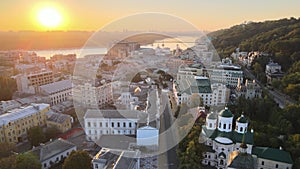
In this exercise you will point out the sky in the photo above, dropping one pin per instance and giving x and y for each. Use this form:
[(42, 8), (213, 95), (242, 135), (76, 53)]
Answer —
[(92, 15)]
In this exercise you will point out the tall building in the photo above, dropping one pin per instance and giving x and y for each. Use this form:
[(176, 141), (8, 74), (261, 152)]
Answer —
[(211, 94), (29, 83), (15, 123), (93, 96)]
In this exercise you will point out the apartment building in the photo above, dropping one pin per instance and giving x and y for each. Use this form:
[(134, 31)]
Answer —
[(15, 123), (57, 92)]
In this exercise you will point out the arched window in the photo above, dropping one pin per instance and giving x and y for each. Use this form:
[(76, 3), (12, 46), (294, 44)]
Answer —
[(210, 125), (221, 162), (224, 126), (241, 129)]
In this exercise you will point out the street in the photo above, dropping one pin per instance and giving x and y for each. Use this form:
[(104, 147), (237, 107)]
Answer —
[(167, 137)]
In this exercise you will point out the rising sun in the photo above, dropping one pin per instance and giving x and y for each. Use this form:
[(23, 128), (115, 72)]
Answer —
[(49, 17)]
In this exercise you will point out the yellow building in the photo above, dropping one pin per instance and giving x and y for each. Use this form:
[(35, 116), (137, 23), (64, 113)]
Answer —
[(62, 122), (15, 123)]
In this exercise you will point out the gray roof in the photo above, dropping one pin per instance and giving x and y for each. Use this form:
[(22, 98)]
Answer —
[(132, 114), (20, 113), (241, 160), (56, 86), (53, 148), (58, 117), (116, 142)]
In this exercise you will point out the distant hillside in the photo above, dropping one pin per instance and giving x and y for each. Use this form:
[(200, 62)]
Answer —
[(29, 40), (279, 36)]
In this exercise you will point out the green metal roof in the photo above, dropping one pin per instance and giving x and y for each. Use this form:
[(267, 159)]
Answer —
[(272, 154), (242, 119), (225, 113), (234, 136)]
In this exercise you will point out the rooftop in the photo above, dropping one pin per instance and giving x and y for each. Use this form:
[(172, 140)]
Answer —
[(57, 117), (272, 154), (52, 148), (132, 114), (21, 112), (57, 86)]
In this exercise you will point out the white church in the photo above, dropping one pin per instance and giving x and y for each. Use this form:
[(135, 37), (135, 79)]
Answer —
[(232, 148)]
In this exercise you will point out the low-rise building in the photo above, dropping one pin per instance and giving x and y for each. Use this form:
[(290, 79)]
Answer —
[(57, 92), (8, 105), (15, 123), (53, 152), (111, 122), (62, 122), (250, 90), (273, 71), (270, 158), (107, 158)]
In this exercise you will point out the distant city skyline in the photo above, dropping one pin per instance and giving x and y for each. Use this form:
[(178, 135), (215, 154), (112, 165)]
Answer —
[(92, 15)]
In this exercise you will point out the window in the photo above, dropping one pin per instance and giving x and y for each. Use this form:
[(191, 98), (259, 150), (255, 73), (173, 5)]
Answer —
[(106, 124), (229, 127), (130, 124), (124, 124), (276, 166), (262, 163), (112, 124), (118, 124), (100, 124), (219, 125), (89, 124), (224, 126), (241, 129), (210, 125)]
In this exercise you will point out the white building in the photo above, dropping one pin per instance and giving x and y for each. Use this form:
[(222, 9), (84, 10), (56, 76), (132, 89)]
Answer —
[(221, 138), (57, 92), (147, 136), (92, 96), (53, 152), (211, 94), (273, 71), (111, 122)]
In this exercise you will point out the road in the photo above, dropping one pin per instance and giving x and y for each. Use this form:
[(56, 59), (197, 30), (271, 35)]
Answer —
[(167, 137), (281, 99)]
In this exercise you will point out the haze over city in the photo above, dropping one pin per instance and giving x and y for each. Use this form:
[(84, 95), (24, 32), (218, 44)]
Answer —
[(92, 15)]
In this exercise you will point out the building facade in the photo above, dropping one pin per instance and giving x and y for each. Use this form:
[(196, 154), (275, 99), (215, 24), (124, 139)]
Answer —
[(62, 122), (57, 92), (15, 123), (53, 152), (110, 122), (29, 83), (249, 90), (221, 138), (93, 96)]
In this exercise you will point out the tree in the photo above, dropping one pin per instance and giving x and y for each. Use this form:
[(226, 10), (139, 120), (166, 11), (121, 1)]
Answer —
[(195, 101), (51, 132), (35, 135), (6, 149), (8, 162), (78, 160), (27, 161)]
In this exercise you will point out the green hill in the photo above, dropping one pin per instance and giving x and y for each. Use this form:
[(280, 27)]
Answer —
[(279, 37)]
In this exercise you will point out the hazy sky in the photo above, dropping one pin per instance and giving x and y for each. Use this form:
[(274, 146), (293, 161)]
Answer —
[(93, 14)]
